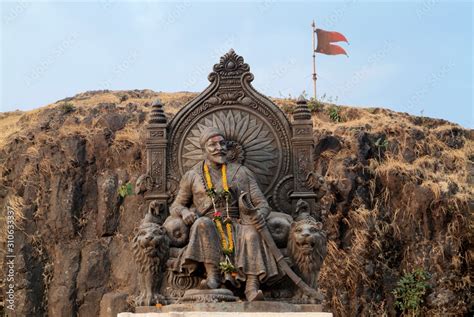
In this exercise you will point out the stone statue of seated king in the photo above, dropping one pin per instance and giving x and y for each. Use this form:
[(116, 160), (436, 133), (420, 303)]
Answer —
[(221, 238), (214, 230)]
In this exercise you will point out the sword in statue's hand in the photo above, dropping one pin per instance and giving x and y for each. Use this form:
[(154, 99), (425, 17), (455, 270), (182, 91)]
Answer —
[(246, 208)]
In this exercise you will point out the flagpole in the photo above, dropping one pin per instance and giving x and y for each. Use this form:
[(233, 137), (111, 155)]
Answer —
[(314, 59)]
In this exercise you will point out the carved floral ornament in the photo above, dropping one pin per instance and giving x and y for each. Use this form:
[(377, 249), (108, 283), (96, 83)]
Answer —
[(231, 64)]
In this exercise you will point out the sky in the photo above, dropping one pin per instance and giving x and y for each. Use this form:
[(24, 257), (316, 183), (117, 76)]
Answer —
[(409, 56)]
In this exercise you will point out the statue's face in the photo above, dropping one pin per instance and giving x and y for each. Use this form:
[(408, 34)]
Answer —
[(216, 150)]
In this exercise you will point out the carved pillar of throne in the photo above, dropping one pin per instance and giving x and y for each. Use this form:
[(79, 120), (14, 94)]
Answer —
[(156, 148), (303, 149)]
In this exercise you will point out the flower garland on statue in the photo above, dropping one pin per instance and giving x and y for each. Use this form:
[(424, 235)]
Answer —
[(227, 241)]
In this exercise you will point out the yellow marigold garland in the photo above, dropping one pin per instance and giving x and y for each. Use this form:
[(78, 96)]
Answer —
[(227, 242), (208, 176), (224, 178), (229, 234)]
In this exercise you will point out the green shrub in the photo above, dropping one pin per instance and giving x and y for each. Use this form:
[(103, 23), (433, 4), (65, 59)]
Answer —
[(288, 108), (381, 143), (410, 290), (67, 107), (125, 190), (315, 105), (334, 114)]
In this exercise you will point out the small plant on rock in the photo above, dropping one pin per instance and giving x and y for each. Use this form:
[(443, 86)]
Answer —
[(410, 290), (67, 107), (288, 108), (381, 144), (334, 114), (315, 105), (125, 190)]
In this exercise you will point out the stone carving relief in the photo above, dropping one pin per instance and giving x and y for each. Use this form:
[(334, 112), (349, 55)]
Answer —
[(150, 248), (307, 247), (257, 135), (157, 167)]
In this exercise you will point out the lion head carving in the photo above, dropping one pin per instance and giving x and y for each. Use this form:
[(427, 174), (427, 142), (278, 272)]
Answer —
[(150, 248), (307, 247)]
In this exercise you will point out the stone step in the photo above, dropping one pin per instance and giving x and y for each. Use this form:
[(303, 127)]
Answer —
[(231, 309), (227, 314)]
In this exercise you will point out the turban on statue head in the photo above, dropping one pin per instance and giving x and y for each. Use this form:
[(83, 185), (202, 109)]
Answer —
[(208, 133)]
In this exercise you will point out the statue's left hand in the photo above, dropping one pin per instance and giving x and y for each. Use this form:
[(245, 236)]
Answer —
[(188, 217)]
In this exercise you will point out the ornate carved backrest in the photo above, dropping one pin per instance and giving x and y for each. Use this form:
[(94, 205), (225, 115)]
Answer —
[(260, 134)]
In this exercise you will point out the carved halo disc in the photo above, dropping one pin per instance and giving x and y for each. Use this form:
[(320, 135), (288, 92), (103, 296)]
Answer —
[(258, 146)]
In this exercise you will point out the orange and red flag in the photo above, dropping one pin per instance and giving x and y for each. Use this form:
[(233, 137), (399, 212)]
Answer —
[(325, 38)]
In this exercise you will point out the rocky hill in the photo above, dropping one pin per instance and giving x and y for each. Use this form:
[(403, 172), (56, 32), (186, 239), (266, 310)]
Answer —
[(400, 199)]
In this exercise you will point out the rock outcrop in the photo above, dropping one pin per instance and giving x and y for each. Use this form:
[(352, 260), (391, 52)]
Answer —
[(400, 195)]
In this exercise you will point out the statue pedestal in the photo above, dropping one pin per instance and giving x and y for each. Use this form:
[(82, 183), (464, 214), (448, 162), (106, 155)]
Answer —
[(208, 296), (230, 309), (227, 314)]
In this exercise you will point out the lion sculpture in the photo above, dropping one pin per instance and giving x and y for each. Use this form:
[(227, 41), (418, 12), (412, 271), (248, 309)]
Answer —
[(307, 247), (150, 248)]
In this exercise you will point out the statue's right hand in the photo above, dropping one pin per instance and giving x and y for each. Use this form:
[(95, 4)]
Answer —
[(188, 216)]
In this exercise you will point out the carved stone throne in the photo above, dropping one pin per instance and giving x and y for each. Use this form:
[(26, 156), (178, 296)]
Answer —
[(278, 151)]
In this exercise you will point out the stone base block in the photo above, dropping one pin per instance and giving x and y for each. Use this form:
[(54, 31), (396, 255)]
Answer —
[(208, 296), (230, 309), (225, 314)]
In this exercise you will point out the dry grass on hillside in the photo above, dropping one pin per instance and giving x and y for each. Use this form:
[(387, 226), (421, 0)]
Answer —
[(9, 125), (418, 174)]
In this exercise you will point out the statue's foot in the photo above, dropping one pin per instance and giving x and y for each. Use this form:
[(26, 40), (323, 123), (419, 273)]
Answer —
[(254, 295), (252, 291), (213, 279), (211, 282)]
